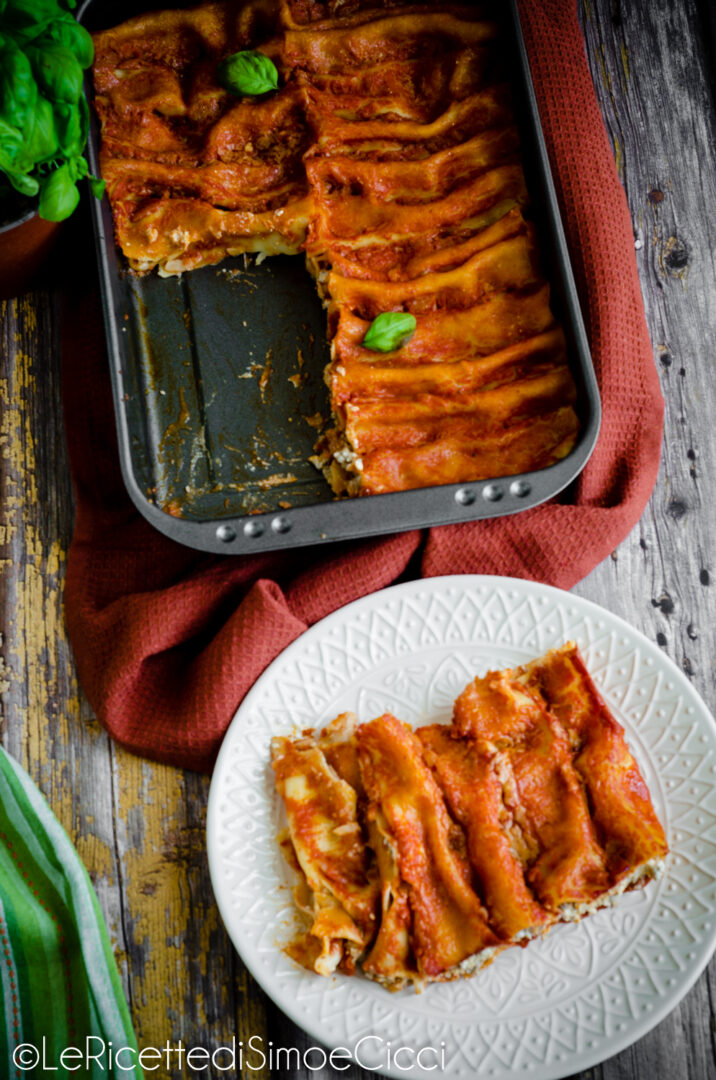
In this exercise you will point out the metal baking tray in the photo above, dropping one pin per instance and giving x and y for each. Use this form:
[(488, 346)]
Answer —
[(218, 388)]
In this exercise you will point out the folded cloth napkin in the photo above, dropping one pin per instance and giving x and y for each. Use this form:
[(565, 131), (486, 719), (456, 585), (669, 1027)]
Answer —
[(60, 986), (167, 641)]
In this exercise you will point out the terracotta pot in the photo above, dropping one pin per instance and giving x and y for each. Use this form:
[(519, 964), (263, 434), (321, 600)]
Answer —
[(25, 245)]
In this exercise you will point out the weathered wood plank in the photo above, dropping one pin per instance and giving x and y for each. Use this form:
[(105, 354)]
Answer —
[(649, 67), (138, 827), (185, 982)]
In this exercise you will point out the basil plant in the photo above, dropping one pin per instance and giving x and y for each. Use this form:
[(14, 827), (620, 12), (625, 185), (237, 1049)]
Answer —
[(44, 116)]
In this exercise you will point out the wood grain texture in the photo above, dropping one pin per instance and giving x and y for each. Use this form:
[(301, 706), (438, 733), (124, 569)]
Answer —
[(139, 827), (649, 66)]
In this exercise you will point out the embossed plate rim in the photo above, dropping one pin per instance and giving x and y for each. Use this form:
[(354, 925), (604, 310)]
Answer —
[(283, 989)]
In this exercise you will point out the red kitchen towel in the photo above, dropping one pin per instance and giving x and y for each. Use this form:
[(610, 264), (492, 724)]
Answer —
[(167, 640)]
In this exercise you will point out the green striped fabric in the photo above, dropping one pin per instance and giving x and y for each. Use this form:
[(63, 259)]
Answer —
[(59, 985)]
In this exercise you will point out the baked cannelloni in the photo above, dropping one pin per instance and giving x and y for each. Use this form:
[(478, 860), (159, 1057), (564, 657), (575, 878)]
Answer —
[(389, 156), (319, 782), (422, 854)]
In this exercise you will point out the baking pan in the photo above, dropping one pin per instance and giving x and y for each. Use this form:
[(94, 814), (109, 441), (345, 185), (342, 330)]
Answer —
[(218, 388)]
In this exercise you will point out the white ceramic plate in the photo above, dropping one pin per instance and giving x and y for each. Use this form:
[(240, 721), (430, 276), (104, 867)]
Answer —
[(562, 1004)]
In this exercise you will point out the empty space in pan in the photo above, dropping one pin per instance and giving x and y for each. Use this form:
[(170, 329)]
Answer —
[(228, 387)]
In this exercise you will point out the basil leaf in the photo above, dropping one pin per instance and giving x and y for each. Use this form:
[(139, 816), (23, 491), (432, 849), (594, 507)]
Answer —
[(247, 73), (40, 135), (78, 168), (71, 123), (66, 31), (67, 126), (18, 89), (11, 142), (57, 72), (97, 186), (31, 10), (13, 161), (25, 20), (389, 331), (58, 195), (26, 185), (40, 144)]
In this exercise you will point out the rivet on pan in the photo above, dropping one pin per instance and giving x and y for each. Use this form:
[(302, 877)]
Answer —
[(492, 492), (226, 533), (281, 525), (253, 529), (464, 497), (520, 488)]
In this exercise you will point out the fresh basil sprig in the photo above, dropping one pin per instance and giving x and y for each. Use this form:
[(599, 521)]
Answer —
[(97, 186), (248, 72), (389, 331), (44, 116)]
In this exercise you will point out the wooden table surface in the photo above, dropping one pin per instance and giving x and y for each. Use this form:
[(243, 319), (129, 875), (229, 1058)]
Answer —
[(139, 827)]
